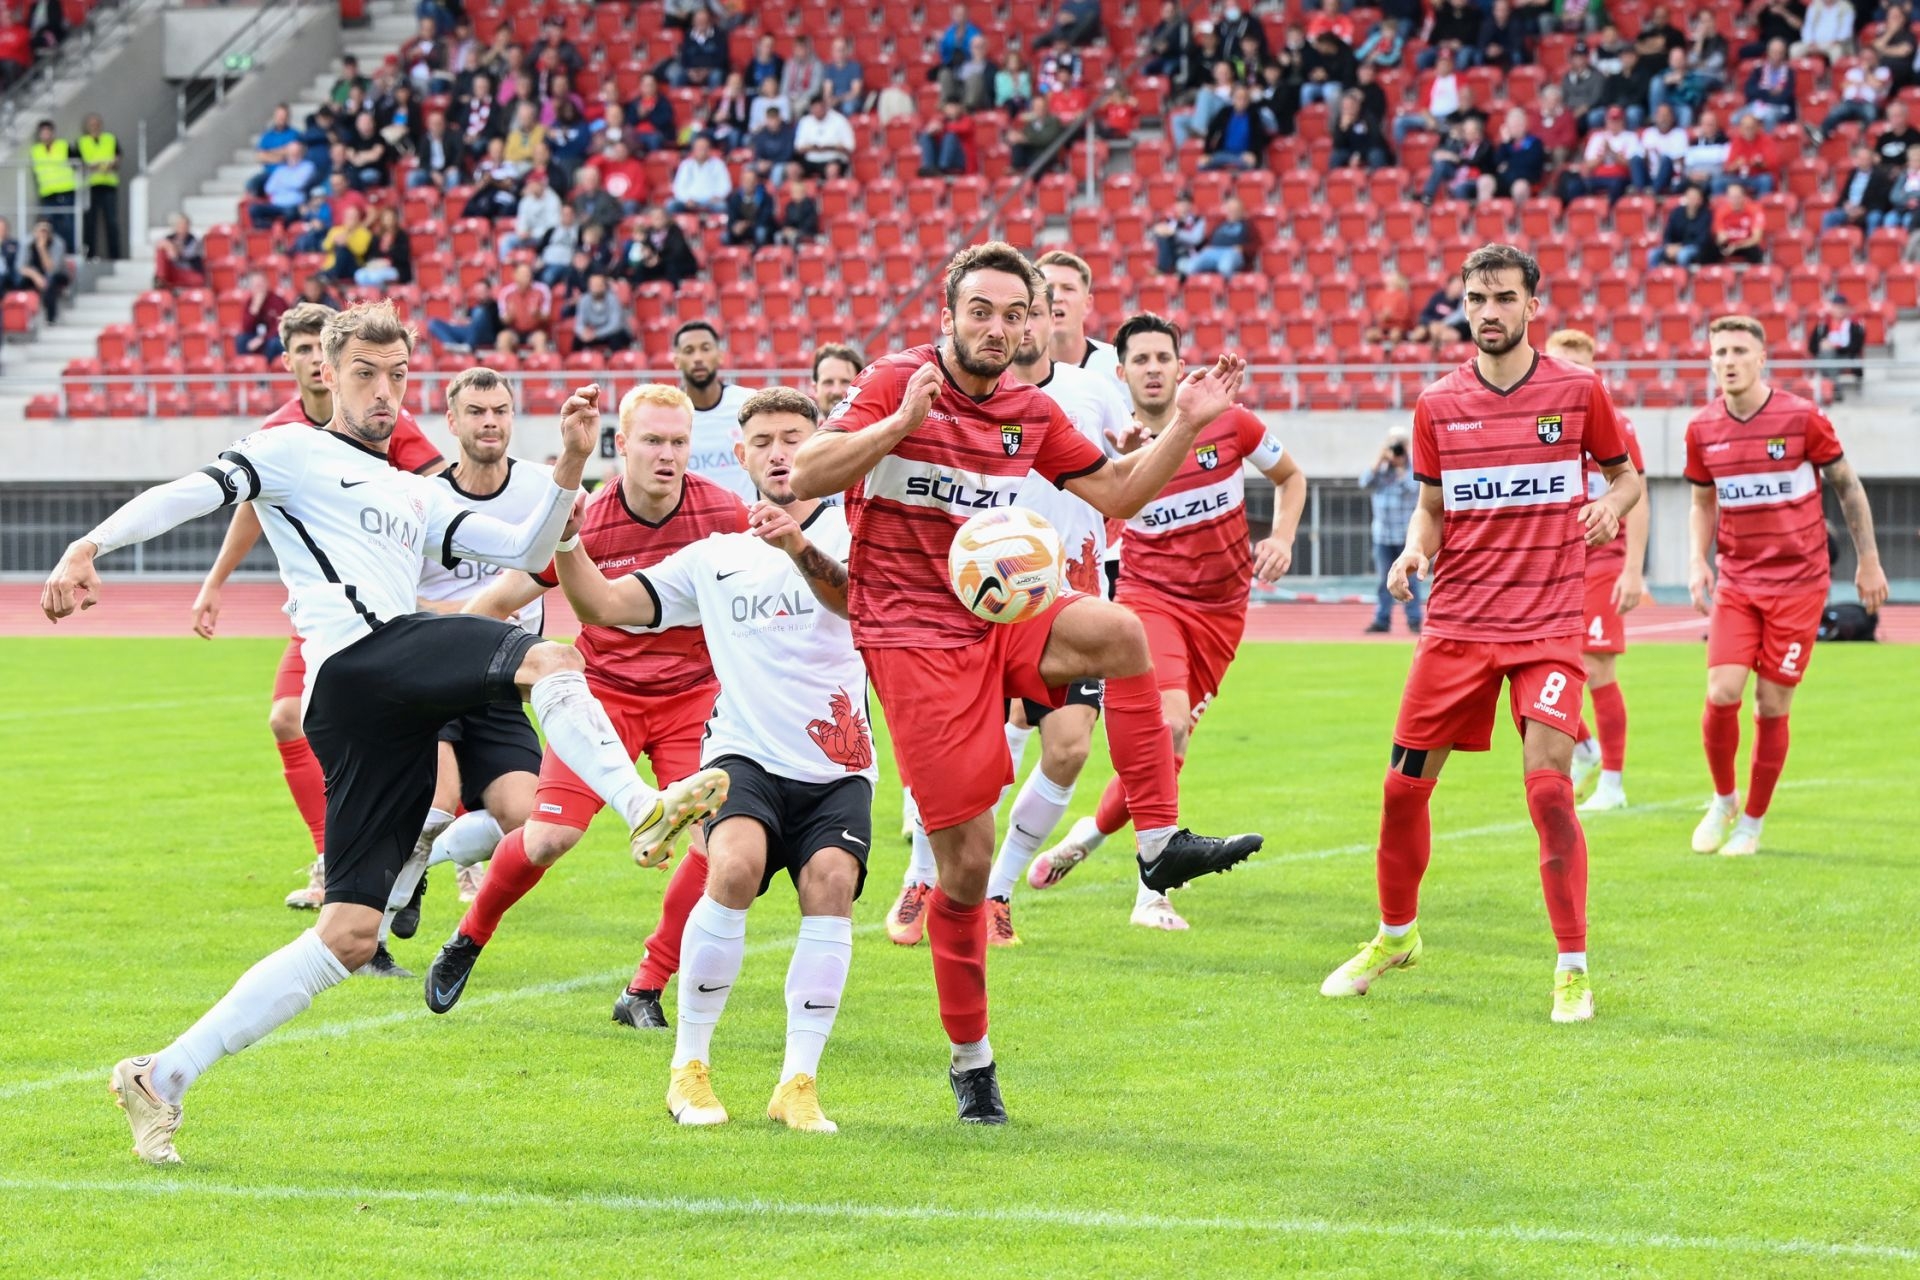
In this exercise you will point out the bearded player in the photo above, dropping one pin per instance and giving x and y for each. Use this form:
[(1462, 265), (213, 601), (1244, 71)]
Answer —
[(1756, 457), (1614, 588), (407, 450), (925, 439), (1186, 573), (1503, 522)]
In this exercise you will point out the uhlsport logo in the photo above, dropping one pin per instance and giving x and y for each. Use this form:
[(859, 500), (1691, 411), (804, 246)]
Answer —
[(1547, 427), (1010, 437), (1209, 456), (1777, 448)]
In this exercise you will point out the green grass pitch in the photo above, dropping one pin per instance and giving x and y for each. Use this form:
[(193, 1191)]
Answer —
[(1744, 1105)]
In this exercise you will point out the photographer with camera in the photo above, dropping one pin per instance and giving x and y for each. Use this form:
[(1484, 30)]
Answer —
[(1395, 493)]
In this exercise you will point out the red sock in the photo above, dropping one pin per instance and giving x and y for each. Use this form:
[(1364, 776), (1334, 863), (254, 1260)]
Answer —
[(1112, 813), (308, 782), (662, 957), (1406, 842), (1610, 718), (958, 937), (1563, 855), (1769, 758), (510, 877), (1720, 730), (1141, 746)]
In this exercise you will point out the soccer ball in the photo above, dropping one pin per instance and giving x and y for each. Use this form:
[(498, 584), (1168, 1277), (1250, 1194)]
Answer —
[(1005, 565)]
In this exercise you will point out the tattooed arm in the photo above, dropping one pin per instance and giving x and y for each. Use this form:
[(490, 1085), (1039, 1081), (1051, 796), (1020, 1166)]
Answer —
[(825, 576), (1869, 579)]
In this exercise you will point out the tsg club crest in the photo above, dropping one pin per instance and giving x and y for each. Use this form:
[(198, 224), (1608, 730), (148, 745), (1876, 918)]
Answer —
[(1208, 456), (1010, 437), (1777, 448), (1547, 427)]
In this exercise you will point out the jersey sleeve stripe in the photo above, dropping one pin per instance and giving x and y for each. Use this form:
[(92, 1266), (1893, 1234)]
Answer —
[(229, 491), (1610, 462), (327, 570), (658, 612), (447, 558), (1424, 479), (239, 460), (1060, 481)]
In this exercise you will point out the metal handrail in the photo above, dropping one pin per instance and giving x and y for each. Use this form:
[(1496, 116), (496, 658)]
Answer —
[(265, 24)]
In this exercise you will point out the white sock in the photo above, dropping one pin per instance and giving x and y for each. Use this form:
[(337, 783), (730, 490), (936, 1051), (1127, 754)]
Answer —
[(1612, 780), (1748, 824), (969, 1057), (1573, 960), (438, 820), (1036, 811), (404, 883), (1017, 743), (579, 732), (1726, 801), (815, 980), (1087, 834), (272, 992), (1397, 930), (1152, 840), (470, 841), (1143, 895), (710, 951), (920, 864), (909, 811)]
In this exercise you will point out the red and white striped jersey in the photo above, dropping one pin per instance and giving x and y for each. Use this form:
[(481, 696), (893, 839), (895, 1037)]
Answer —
[(1605, 562), (1773, 529)]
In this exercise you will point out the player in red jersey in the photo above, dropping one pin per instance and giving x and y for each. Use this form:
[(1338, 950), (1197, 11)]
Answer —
[(1756, 457), (408, 450), (1615, 586), (925, 439), (1497, 447), (1186, 573), (657, 686)]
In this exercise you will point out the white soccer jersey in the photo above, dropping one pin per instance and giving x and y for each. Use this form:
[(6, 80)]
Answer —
[(1096, 404), (714, 433), (793, 690), (1101, 360), (524, 492)]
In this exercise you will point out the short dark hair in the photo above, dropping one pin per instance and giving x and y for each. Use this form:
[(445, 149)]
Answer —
[(694, 325), (836, 351), (779, 400), (1144, 322), (1491, 258), (994, 255), (477, 378)]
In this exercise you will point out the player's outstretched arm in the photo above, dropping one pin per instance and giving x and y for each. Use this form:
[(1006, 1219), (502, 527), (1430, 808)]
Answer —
[(75, 583), (832, 461), (1870, 580), (1274, 555), (1701, 519), (1121, 490), (243, 531), (1423, 543), (826, 577), (627, 602), (508, 594)]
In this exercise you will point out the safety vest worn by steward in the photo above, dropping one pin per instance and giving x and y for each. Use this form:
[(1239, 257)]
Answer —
[(99, 151), (53, 168)]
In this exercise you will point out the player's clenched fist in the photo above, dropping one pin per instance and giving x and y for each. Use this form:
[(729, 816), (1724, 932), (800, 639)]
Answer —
[(1206, 393), (73, 584), (1410, 563), (923, 388), (580, 421)]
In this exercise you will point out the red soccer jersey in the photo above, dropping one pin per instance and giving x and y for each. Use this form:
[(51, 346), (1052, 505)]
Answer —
[(969, 456), (631, 660), (1605, 562), (1773, 529), (1512, 562), (1190, 544), (407, 448)]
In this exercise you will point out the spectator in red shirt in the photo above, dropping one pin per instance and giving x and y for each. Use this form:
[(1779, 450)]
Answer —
[(1555, 125), (1330, 18), (16, 49), (1739, 226), (526, 311), (1752, 160), (260, 318), (947, 146), (621, 175), (179, 262)]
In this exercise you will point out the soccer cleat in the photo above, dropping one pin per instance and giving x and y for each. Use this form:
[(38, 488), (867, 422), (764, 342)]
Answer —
[(447, 975), (679, 805), (1572, 996), (1586, 762), (469, 880), (907, 921), (690, 1096), (382, 965), (1157, 913), (1741, 844), (154, 1120), (406, 921), (1375, 958), (1716, 826), (1000, 923), (1188, 857), (978, 1094), (1604, 799), (640, 1010), (796, 1104), (314, 892), (1050, 868)]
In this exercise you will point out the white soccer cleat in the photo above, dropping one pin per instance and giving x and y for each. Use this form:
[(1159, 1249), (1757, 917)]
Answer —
[(312, 895), (1741, 844), (1157, 912), (678, 806), (153, 1120), (1717, 825), (1050, 868), (469, 880), (1586, 762), (1604, 800)]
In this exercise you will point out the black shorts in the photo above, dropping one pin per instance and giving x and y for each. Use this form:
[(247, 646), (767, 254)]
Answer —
[(375, 714), (1081, 693), (488, 745), (801, 818)]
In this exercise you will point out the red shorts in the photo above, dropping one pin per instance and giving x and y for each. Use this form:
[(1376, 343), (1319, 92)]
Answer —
[(667, 730), (1191, 648), (1453, 690), (1606, 629), (290, 680), (947, 711), (1771, 635)]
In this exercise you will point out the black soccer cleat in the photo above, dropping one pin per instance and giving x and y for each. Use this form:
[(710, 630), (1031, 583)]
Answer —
[(640, 1010), (382, 965), (1188, 857), (447, 975), (978, 1093), (406, 921)]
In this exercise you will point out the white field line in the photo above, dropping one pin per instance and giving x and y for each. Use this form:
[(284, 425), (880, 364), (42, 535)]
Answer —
[(330, 1030), (117, 708), (1655, 628), (1093, 1220)]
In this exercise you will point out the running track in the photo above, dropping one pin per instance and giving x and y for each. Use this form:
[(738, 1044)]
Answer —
[(253, 609)]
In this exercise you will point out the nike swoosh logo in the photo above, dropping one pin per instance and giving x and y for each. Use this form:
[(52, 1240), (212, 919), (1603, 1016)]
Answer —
[(722, 577), (808, 1004), (353, 484), (1089, 690), (848, 835), (710, 990), (444, 994), (609, 742)]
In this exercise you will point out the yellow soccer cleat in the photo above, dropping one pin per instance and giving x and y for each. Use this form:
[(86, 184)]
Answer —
[(1572, 996), (1375, 958), (679, 805), (154, 1121), (1714, 828), (690, 1096), (796, 1104)]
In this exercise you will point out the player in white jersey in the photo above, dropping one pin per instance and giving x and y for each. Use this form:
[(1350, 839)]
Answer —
[(349, 531), (790, 730), (697, 354), (1072, 281)]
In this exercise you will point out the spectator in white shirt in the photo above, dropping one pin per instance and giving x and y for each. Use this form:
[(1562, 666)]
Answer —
[(701, 184), (1665, 144), (1827, 30), (1862, 89), (1614, 160), (823, 141), (1443, 102), (538, 213)]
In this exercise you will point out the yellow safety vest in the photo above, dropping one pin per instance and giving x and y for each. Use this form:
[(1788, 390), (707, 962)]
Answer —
[(52, 169), (98, 151)]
